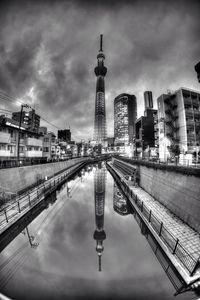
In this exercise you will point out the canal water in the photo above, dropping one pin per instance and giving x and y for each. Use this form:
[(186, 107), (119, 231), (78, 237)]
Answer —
[(85, 244)]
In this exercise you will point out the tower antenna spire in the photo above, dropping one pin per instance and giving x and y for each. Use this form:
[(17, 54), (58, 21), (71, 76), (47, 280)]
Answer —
[(101, 42)]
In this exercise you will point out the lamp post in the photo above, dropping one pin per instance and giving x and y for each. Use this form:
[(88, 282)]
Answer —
[(19, 130)]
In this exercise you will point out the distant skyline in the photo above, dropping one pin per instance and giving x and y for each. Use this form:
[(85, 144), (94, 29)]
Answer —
[(48, 53)]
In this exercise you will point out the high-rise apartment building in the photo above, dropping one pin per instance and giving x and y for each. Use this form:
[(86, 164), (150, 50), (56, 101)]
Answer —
[(28, 119), (179, 123), (147, 128), (100, 109), (148, 99), (125, 115), (146, 132)]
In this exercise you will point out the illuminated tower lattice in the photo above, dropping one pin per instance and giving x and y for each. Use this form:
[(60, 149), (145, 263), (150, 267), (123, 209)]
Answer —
[(99, 196), (100, 110)]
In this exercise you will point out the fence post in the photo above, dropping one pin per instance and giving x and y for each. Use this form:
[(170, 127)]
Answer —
[(175, 246), (161, 225), (197, 264), (142, 206), (6, 215), (150, 216), (19, 207)]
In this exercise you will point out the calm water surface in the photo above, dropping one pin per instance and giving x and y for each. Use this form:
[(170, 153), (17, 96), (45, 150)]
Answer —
[(87, 228)]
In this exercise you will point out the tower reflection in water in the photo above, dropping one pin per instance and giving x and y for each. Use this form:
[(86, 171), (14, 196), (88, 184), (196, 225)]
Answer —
[(99, 198)]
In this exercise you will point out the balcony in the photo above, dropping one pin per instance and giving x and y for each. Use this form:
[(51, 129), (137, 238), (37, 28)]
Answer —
[(5, 153), (195, 102), (187, 101), (33, 153), (196, 112), (189, 122), (189, 112), (33, 142), (190, 126), (4, 138), (191, 136)]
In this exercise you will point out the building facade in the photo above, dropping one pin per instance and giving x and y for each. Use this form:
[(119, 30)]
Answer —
[(30, 120), (125, 115), (30, 143), (49, 145), (147, 133), (148, 100), (179, 123), (100, 109)]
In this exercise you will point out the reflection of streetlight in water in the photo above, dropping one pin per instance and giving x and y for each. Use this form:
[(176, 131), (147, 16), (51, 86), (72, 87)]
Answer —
[(99, 197)]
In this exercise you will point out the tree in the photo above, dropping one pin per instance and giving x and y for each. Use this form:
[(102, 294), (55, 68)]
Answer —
[(174, 150)]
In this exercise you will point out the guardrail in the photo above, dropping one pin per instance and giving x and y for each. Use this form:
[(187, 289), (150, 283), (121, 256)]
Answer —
[(166, 236), (187, 170), (26, 201)]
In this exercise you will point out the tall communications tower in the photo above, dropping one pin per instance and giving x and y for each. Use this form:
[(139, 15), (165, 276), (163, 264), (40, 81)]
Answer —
[(100, 133)]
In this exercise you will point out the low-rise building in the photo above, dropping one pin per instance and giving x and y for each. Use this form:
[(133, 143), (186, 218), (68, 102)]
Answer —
[(29, 119), (49, 144), (179, 124), (30, 143)]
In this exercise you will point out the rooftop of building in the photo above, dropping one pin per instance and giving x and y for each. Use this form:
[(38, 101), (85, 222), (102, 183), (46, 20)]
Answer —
[(8, 122), (124, 95), (170, 92)]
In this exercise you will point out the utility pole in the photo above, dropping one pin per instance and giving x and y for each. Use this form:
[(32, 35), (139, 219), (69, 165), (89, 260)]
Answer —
[(19, 131)]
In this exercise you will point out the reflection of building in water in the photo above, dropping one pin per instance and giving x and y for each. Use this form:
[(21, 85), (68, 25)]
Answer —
[(99, 196), (120, 203)]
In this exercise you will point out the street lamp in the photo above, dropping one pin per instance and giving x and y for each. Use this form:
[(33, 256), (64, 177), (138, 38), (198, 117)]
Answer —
[(19, 130)]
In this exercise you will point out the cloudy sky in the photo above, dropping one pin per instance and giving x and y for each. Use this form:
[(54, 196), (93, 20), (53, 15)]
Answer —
[(48, 53)]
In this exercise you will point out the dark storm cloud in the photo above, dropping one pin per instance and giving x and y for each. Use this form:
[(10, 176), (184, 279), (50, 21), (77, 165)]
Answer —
[(50, 47)]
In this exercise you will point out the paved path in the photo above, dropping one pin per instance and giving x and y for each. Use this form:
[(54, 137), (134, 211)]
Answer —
[(187, 236)]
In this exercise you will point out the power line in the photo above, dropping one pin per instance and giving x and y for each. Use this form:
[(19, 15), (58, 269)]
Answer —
[(6, 98)]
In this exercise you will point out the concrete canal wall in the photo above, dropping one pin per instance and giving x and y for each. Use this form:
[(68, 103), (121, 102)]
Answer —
[(178, 192), (17, 179)]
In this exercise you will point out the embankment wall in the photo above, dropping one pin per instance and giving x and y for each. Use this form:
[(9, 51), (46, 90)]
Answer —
[(17, 179), (178, 192)]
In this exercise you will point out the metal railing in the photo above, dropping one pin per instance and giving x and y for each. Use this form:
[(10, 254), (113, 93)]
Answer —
[(170, 162), (24, 161), (166, 236), (23, 203), (172, 243)]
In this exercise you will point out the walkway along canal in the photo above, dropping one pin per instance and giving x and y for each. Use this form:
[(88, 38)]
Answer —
[(82, 241)]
